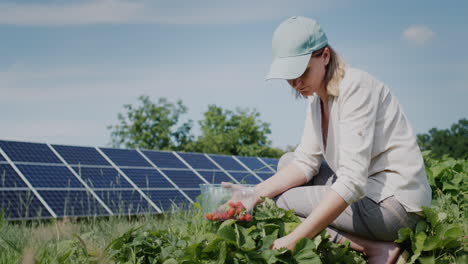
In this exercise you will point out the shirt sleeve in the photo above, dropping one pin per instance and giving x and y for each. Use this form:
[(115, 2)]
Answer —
[(308, 156), (357, 116)]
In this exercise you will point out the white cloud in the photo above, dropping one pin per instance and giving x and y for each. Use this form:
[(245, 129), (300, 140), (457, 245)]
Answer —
[(418, 34), (145, 11)]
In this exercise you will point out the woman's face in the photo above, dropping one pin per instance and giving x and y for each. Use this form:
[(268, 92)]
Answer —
[(312, 80)]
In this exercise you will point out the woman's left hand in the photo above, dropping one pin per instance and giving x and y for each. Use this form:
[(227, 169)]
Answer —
[(288, 242)]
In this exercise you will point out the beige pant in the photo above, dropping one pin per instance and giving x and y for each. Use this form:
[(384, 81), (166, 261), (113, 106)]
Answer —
[(364, 218)]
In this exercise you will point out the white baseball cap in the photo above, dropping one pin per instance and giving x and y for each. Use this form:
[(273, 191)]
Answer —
[(293, 43)]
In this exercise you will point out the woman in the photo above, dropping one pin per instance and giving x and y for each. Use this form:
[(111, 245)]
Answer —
[(373, 182)]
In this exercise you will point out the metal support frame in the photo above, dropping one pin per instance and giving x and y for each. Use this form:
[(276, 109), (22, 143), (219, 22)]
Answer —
[(221, 168), (266, 164), (80, 179), (128, 179), (190, 167), (163, 174), (247, 168), (10, 162)]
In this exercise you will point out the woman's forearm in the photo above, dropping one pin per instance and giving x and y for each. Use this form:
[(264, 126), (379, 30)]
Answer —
[(331, 206), (289, 177)]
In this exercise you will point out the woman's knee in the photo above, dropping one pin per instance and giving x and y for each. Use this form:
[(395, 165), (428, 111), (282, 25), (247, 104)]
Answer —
[(284, 200), (281, 202)]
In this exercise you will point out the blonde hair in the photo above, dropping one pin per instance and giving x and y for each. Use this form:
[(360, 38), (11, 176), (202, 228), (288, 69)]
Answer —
[(334, 71)]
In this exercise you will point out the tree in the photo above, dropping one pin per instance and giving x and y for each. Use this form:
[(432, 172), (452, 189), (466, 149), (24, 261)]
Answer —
[(152, 125), (237, 132), (453, 141)]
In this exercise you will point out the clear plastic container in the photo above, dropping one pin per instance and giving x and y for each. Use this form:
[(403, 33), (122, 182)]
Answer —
[(215, 195)]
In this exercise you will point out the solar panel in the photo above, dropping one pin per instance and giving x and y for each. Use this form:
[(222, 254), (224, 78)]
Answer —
[(193, 194), (80, 155), (126, 202), (147, 178), (254, 164), (184, 179), (102, 177), (215, 176), (227, 162), (166, 199), (72, 203), (21, 204), (59, 180), (273, 163), (245, 177), (264, 175), (164, 159), (198, 161), (29, 152), (126, 157), (9, 177), (49, 176)]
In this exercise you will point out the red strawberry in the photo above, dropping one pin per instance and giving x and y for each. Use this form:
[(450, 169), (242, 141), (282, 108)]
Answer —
[(231, 212), (225, 216), (209, 216), (232, 204), (238, 211), (239, 205), (215, 217), (242, 218), (248, 217)]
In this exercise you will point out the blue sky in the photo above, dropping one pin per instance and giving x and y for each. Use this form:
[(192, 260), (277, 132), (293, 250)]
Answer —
[(67, 67)]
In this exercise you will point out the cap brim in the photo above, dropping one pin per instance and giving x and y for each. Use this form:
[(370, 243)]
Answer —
[(288, 67)]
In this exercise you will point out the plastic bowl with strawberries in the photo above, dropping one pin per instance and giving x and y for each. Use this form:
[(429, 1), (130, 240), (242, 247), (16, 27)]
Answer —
[(220, 203)]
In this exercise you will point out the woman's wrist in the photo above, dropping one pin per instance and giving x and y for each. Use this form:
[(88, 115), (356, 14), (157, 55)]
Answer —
[(259, 191)]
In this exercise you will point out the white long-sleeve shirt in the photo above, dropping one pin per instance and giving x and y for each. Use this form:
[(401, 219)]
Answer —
[(371, 146)]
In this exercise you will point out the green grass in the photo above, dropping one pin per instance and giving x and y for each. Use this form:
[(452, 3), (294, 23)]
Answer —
[(82, 240)]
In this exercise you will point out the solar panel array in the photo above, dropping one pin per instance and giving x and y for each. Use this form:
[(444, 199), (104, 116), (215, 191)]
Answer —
[(40, 180)]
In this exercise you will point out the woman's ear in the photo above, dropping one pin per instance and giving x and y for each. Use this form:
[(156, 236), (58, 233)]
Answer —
[(326, 56)]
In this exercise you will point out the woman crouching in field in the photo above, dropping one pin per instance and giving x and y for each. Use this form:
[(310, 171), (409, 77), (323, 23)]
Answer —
[(358, 171)]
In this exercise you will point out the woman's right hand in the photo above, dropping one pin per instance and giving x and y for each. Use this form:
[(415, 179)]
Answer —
[(246, 195)]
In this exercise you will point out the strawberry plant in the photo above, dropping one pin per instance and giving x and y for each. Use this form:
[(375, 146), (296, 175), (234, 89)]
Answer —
[(441, 236), (231, 241)]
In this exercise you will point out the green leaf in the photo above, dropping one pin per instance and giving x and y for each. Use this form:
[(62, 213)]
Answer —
[(414, 257), (427, 260), (244, 241), (268, 210), (268, 229), (418, 243), (170, 261), (304, 252), (268, 240), (271, 256), (431, 215), (441, 216), (290, 226), (222, 253), (227, 232), (404, 234), (432, 243), (213, 245), (421, 227), (318, 239), (454, 233)]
